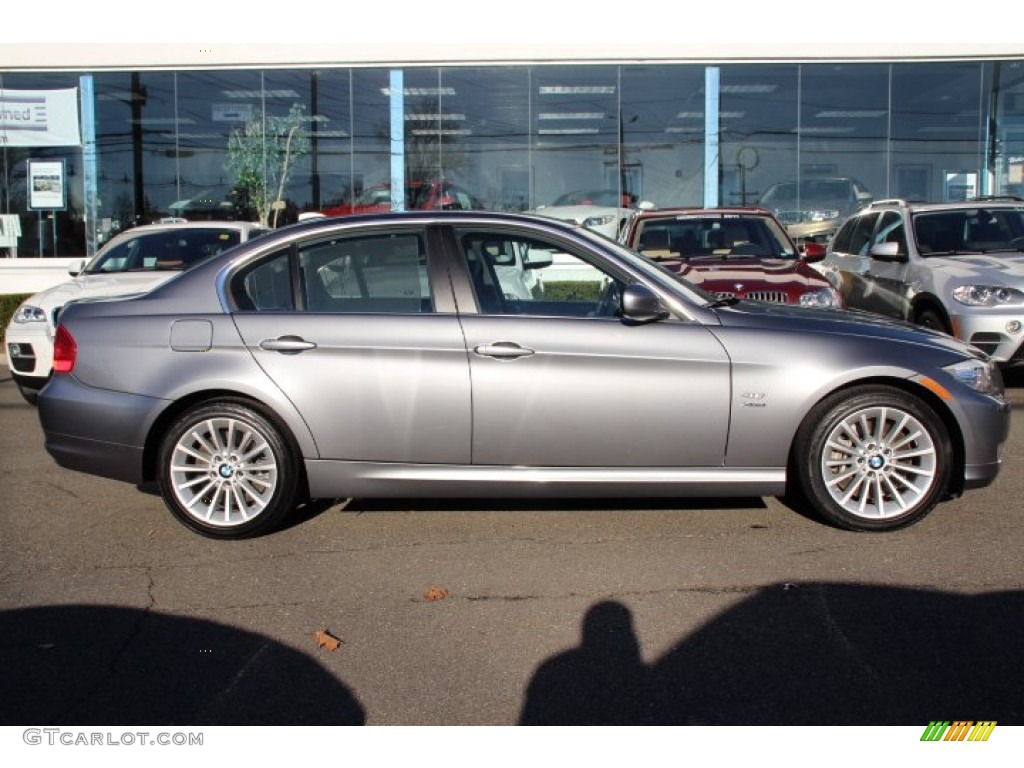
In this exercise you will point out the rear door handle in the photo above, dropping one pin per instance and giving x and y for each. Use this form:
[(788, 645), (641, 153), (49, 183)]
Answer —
[(503, 350), (289, 345)]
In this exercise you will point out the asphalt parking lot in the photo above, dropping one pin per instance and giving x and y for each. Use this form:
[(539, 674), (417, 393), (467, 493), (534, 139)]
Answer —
[(738, 611)]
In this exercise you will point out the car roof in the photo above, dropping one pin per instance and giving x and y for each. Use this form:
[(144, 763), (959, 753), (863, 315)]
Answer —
[(213, 224), (667, 212), (956, 205)]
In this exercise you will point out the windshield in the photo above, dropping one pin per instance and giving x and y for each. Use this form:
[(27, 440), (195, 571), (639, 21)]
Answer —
[(696, 236), (602, 197), (171, 249), (811, 190), (969, 230)]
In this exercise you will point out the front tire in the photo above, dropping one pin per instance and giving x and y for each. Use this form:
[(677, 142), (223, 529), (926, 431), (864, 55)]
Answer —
[(929, 318), (873, 458), (227, 471)]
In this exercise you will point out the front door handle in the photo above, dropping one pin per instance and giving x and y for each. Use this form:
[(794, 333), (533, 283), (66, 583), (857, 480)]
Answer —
[(505, 350), (289, 345)]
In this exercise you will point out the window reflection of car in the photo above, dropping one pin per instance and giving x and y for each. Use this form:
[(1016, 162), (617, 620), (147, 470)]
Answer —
[(733, 253), (419, 196), (603, 210), (813, 209)]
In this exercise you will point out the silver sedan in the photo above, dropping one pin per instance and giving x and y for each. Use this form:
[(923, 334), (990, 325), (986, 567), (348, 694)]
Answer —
[(480, 354)]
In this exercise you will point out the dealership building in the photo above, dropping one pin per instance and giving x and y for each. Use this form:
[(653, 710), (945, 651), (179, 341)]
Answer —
[(96, 139)]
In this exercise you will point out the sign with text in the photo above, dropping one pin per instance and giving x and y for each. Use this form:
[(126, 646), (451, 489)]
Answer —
[(39, 118)]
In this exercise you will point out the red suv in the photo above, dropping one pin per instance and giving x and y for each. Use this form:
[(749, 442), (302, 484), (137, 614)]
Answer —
[(733, 252), (419, 196)]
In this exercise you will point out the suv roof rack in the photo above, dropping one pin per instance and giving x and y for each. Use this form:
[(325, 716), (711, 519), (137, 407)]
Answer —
[(997, 199), (888, 201)]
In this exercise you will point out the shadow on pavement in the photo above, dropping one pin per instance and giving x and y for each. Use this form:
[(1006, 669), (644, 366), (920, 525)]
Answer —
[(798, 654), (98, 665)]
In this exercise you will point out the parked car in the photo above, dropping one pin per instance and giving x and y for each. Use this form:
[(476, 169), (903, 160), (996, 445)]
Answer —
[(603, 210), (132, 262), (419, 196), (814, 209), (260, 378), (733, 252), (955, 267)]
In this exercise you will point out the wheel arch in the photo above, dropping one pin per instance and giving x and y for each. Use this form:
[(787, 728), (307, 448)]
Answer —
[(170, 414), (929, 301), (956, 439)]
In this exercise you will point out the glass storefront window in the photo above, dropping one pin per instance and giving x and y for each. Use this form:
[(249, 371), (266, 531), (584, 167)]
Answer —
[(520, 138)]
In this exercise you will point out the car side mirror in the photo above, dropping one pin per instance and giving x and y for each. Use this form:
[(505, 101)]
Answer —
[(812, 252), (642, 305), (75, 267), (887, 252)]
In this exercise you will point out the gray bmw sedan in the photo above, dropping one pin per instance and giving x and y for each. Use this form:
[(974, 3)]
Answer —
[(454, 354)]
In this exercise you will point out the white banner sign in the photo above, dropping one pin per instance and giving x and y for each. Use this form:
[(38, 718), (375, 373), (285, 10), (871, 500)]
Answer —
[(39, 118)]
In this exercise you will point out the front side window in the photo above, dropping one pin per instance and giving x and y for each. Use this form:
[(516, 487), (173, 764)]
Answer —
[(891, 230), (515, 275)]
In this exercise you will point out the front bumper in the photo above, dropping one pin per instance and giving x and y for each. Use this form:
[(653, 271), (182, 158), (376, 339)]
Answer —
[(29, 350), (994, 332)]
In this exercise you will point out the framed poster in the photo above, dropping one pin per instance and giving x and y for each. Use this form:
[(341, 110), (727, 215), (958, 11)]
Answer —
[(47, 185)]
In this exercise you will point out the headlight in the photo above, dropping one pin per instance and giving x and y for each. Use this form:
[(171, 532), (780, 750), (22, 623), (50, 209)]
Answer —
[(28, 314), (987, 295), (598, 221), (980, 375), (821, 297)]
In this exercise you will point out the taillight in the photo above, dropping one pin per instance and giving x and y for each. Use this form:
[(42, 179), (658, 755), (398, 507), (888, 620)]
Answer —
[(65, 350)]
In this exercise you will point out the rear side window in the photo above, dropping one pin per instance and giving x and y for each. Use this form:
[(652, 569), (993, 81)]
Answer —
[(841, 242), (376, 274), (860, 236), (266, 287)]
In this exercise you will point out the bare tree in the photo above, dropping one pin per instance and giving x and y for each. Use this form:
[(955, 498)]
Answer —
[(261, 155)]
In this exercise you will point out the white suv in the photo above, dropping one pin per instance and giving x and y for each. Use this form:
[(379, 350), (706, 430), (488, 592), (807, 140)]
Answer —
[(133, 262), (955, 267)]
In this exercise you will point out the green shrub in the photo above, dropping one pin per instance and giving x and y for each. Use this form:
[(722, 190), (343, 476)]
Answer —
[(8, 304), (572, 290)]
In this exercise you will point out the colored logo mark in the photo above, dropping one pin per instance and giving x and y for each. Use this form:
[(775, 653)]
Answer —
[(958, 730)]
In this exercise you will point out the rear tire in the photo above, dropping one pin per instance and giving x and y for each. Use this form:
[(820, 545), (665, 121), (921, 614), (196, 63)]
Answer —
[(227, 471), (873, 458)]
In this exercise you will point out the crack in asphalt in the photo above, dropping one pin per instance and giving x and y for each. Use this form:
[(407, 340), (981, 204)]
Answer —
[(111, 667)]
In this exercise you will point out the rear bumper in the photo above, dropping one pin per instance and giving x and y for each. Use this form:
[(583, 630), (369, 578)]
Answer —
[(97, 431)]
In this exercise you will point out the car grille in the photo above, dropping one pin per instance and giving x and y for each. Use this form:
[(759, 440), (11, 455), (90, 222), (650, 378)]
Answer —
[(775, 297)]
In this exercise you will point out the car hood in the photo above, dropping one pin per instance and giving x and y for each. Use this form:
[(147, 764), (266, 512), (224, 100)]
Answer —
[(840, 321), (96, 286), (579, 213), (715, 272), (1005, 267)]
